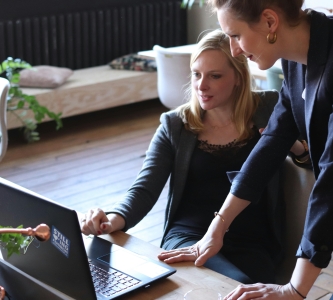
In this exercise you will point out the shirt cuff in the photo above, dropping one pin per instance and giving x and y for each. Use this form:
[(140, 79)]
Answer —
[(244, 187), (319, 255)]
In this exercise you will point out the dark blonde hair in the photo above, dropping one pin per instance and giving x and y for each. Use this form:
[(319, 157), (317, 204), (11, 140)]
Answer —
[(250, 10), (245, 100)]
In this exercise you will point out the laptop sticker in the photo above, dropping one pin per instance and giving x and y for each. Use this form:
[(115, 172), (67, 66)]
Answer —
[(60, 241)]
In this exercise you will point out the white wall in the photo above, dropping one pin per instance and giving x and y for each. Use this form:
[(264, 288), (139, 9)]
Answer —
[(198, 20), (318, 4)]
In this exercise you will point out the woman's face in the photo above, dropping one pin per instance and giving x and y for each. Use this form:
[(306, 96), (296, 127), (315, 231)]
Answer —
[(248, 41), (213, 80)]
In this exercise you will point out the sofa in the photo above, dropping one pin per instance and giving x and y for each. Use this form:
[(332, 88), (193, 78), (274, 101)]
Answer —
[(92, 89), (85, 36)]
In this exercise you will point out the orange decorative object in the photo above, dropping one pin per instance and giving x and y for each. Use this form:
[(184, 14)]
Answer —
[(41, 232)]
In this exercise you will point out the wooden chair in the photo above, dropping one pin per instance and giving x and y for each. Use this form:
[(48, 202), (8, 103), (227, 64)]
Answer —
[(4, 87), (173, 74)]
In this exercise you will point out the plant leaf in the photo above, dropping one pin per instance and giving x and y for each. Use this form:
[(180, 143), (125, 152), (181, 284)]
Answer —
[(17, 100)]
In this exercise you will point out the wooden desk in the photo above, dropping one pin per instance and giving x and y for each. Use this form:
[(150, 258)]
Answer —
[(188, 276), (175, 286)]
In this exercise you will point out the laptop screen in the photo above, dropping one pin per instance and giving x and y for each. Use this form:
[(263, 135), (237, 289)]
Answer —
[(62, 261)]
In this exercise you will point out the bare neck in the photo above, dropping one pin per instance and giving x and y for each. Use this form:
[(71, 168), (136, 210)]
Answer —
[(295, 40)]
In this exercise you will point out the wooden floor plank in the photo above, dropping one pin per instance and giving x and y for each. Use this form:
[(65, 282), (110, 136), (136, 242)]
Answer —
[(70, 155), (91, 162)]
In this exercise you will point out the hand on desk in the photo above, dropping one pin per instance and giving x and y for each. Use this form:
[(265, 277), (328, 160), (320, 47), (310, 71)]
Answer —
[(262, 291), (96, 222), (208, 246)]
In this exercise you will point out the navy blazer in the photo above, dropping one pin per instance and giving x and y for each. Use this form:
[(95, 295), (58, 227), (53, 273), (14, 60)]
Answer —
[(304, 108)]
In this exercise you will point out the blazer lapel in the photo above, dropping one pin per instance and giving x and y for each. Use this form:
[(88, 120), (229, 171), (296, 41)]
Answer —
[(183, 157)]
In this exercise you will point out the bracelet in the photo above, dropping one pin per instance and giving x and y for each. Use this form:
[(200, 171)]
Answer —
[(296, 290), (217, 214), (305, 154)]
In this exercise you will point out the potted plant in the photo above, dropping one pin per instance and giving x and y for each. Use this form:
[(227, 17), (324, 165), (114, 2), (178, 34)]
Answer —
[(19, 103)]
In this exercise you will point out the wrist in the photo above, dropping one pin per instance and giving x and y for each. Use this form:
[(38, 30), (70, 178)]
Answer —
[(295, 291), (302, 157), (220, 217), (117, 221)]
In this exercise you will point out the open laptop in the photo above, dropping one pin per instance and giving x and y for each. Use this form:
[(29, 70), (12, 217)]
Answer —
[(68, 261)]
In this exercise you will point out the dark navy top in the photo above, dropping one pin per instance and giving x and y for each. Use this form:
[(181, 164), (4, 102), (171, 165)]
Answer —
[(207, 187)]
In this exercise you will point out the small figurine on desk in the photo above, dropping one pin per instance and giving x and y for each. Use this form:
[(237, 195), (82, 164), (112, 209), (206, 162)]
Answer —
[(14, 241), (41, 232)]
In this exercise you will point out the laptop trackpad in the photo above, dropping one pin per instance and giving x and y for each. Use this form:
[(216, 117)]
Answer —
[(127, 261), (124, 260)]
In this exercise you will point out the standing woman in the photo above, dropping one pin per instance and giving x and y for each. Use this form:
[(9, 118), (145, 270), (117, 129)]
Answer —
[(264, 31)]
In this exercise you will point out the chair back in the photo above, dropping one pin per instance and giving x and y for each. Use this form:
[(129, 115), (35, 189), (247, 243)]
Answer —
[(173, 74), (4, 87), (297, 186)]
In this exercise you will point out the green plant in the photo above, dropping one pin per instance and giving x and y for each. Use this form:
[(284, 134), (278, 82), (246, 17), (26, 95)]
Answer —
[(189, 3), (14, 242), (19, 103)]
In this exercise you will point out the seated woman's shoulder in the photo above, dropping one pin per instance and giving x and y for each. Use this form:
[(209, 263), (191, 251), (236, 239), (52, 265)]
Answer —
[(170, 115)]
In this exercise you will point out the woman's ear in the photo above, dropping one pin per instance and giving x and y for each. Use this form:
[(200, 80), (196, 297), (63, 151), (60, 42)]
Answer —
[(271, 19)]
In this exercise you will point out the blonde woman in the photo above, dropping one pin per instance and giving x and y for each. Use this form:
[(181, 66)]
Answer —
[(196, 145)]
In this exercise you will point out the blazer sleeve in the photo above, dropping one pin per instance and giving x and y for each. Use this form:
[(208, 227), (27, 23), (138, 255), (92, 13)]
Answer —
[(317, 239), (155, 171)]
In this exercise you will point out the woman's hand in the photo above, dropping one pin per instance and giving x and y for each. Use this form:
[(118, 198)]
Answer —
[(207, 247), (261, 291), (181, 254), (96, 222)]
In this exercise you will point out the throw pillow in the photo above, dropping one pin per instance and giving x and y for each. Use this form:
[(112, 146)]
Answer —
[(44, 76), (133, 62)]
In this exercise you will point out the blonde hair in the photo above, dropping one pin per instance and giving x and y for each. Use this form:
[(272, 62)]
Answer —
[(245, 101)]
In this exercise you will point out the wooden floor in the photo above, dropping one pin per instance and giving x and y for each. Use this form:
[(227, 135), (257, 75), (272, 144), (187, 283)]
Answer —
[(93, 160), (90, 162)]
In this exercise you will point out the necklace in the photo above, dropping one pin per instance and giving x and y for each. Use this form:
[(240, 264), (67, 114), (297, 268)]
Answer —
[(219, 127)]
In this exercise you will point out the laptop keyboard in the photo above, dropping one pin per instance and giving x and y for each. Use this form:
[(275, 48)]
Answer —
[(110, 282)]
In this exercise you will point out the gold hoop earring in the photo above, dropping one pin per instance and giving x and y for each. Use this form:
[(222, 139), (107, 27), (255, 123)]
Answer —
[(271, 40)]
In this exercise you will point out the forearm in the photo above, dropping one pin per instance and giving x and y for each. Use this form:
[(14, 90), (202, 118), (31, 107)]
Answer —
[(230, 209), (212, 242), (304, 276)]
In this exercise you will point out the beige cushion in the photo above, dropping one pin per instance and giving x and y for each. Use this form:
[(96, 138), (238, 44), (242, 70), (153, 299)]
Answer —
[(44, 76)]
